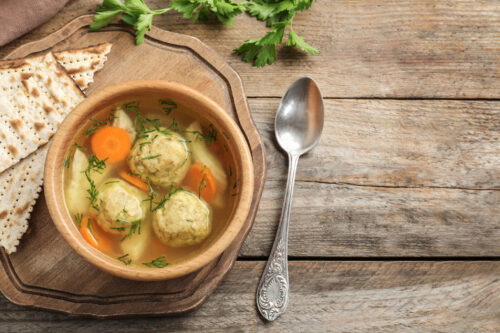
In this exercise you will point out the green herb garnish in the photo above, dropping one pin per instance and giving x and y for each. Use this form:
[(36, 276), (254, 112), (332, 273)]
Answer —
[(278, 15), (150, 157), (151, 196), (91, 130), (210, 137), (111, 182), (174, 126), (135, 12), (67, 161), (78, 146), (203, 182), (96, 165), (135, 226), (78, 218), (158, 262), (167, 106), (126, 261)]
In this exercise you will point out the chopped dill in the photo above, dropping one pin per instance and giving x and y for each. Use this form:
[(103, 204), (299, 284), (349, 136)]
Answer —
[(189, 220), (121, 220), (90, 226), (230, 171), (135, 226), (236, 183), (78, 146), (203, 182), (96, 165), (126, 261), (151, 196), (167, 106), (67, 161), (150, 157), (94, 127), (225, 135), (100, 122), (144, 143), (111, 182), (226, 148), (210, 137), (234, 194), (78, 218), (174, 126), (172, 190), (158, 262), (118, 228)]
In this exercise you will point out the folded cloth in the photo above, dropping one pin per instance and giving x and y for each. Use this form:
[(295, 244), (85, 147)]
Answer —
[(17, 17)]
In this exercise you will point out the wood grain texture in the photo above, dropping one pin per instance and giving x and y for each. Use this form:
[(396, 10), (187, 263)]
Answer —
[(325, 296), (43, 271), (396, 143), (387, 48), (388, 178)]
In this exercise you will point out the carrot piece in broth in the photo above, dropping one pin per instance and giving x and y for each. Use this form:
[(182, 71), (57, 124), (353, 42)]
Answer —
[(110, 143), (92, 234), (136, 181), (201, 181)]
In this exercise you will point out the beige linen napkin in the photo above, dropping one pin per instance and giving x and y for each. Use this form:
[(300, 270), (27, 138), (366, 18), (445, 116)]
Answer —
[(17, 17)]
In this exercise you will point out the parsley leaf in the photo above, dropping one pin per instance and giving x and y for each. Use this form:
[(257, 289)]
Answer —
[(135, 12), (225, 10), (278, 15)]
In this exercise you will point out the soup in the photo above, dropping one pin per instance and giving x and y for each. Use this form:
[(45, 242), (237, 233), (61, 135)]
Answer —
[(150, 183)]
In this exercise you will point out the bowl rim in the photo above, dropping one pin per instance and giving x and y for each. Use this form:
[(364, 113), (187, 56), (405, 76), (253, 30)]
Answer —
[(53, 176)]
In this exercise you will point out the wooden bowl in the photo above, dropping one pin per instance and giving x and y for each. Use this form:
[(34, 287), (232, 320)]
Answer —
[(144, 89)]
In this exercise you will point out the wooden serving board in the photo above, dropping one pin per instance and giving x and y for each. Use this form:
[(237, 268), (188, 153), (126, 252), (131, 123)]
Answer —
[(45, 272)]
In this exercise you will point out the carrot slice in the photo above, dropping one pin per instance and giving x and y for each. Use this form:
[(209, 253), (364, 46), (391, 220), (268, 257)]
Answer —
[(93, 235), (136, 181), (110, 142), (201, 181)]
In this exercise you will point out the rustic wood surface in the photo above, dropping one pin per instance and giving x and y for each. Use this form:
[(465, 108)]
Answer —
[(325, 296), (408, 167)]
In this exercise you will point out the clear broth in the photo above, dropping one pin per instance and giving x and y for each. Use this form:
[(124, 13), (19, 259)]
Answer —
[(183, 117)]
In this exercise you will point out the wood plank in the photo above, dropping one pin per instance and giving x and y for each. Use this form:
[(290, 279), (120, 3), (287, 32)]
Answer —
[(346, 220), (389, 178), (397, 143), (347, 296), (387, 48)]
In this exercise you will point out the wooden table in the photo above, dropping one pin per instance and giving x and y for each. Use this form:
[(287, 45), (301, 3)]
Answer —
[(396, 216)]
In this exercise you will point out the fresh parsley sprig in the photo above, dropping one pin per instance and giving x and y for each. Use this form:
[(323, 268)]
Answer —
[(135, 13), (225, 10), (278, 15)]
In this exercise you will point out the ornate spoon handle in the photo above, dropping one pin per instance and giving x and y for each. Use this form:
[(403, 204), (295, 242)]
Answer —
[(272, 293)]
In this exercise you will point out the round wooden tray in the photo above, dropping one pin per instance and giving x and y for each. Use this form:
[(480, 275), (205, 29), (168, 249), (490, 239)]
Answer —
[(45, 272)]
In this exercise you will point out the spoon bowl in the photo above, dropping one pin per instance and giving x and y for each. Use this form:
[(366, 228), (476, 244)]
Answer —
[(299, 119)]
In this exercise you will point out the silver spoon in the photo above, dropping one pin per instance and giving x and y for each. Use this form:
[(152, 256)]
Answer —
[(298, 126)]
